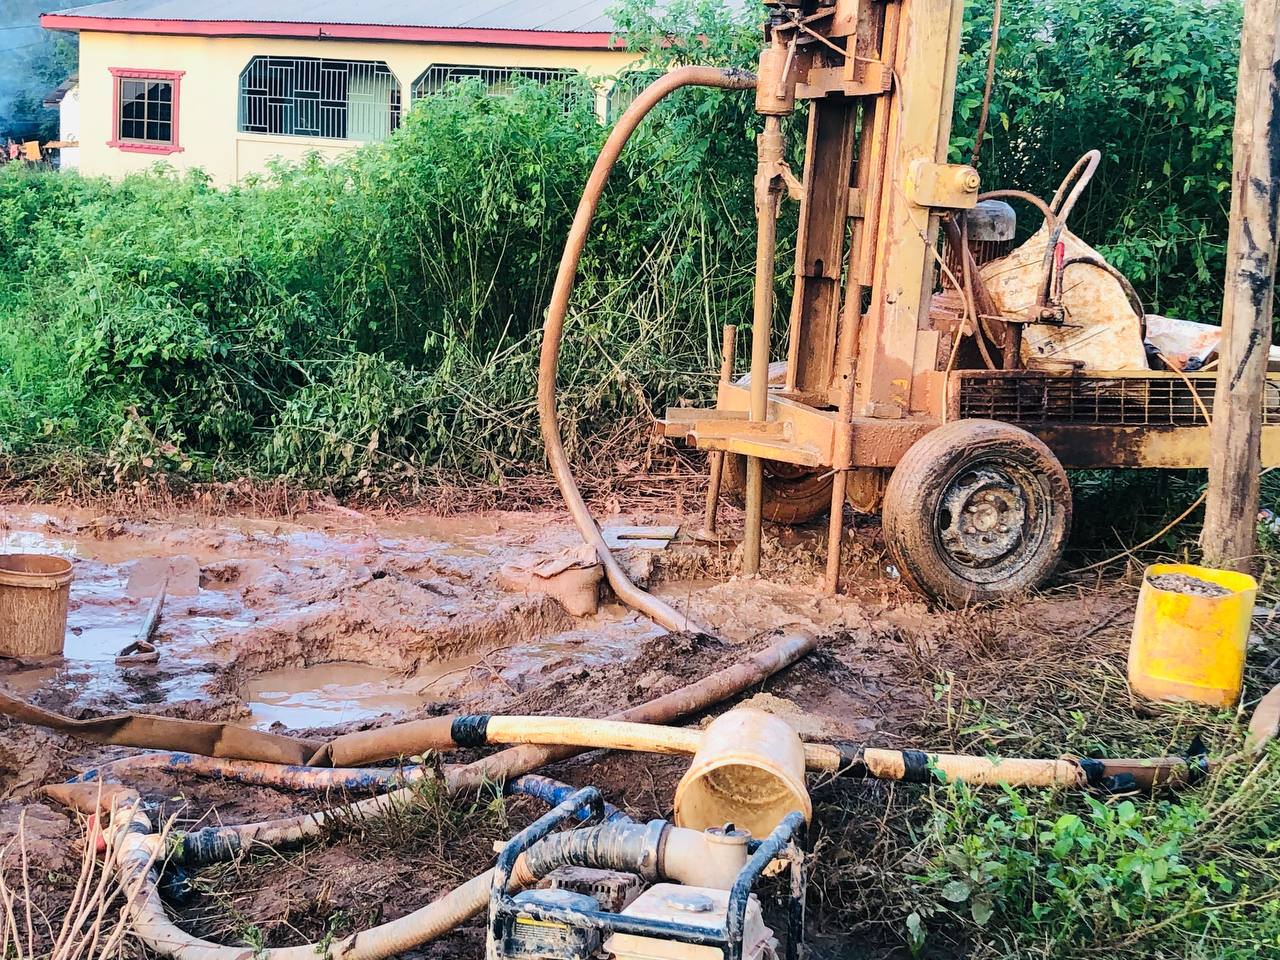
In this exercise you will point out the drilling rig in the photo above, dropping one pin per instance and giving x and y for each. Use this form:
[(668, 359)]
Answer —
[(918, 380)]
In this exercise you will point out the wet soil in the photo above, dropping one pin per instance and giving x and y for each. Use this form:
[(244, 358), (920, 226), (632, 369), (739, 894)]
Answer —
[(334, 622)]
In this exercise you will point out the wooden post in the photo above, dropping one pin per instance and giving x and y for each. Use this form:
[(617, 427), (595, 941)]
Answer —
[(1230, 524)]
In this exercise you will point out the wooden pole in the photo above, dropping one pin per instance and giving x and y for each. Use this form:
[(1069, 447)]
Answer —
[(1229, 538)]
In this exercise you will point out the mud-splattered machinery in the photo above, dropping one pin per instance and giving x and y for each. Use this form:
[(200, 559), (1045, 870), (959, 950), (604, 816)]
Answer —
[(932, 372)]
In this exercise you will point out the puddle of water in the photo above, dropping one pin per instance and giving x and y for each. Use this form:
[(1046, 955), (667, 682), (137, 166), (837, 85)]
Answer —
[(98, 644), (339, 692), (326, 694)]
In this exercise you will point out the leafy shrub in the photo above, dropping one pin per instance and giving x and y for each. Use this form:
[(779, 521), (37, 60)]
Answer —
[(1037, 873), (267, 327)]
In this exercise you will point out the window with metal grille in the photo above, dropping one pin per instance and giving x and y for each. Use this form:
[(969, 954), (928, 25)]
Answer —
[(626, 87), (311, 97), (499, 81)]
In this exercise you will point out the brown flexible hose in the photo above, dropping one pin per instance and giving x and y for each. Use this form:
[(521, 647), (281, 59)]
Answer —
[(516, 761), (553, 329), (990, 84)]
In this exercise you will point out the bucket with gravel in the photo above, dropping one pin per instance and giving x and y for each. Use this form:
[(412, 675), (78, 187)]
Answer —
[(1190, 633)]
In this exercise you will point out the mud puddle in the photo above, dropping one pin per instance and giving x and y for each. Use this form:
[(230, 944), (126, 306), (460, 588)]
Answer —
[(320, 621), (326, 695), (310, 623)]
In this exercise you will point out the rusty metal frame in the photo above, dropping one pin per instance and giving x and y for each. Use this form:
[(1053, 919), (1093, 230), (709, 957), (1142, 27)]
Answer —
[(869, 368)]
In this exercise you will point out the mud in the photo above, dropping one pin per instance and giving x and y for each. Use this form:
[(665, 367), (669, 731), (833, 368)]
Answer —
[(334, 622)]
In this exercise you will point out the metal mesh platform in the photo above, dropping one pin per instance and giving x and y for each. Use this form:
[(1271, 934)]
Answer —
[(1155, 399)]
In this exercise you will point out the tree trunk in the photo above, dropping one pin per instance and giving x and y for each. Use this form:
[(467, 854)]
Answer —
[(1229, 538)]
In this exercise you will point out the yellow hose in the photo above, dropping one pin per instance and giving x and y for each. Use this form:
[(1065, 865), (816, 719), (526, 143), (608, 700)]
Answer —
[(819, 757), (553, 330)]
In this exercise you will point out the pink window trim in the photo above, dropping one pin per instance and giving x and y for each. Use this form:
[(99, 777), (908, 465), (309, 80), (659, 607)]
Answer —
[(133, 146)]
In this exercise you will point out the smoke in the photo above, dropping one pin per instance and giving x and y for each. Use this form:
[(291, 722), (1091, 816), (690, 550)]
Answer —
[(32, 62)]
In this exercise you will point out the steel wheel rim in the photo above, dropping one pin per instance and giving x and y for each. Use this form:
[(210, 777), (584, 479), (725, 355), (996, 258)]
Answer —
[(991, 520)]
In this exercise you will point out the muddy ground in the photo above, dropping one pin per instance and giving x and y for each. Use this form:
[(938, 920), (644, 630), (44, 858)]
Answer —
[(338, 621)]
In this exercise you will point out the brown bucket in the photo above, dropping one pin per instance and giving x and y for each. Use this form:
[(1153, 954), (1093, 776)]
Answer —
[(34, 591)]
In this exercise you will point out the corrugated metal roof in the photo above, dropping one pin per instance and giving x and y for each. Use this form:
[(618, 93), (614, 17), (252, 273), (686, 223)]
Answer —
[(585, 16)]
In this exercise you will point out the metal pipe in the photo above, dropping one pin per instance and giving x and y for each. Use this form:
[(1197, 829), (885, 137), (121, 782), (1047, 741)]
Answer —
[(553, 329), (716, 459), (769, 150), (872, 159)]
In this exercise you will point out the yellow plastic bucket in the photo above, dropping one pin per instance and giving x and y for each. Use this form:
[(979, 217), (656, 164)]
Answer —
[(34, 594), (748, 771), (1190, 632)]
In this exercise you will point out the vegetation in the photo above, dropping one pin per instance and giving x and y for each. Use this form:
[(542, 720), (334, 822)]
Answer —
[(374, 321), (947, 870)]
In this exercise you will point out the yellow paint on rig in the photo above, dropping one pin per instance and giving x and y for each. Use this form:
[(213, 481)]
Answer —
[(1188, 646)]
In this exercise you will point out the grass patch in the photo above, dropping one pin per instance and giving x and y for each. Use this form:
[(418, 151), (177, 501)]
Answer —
[(948, 870), (359, 874)]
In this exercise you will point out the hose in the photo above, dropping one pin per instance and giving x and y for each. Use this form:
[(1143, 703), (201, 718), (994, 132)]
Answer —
[(255, 773), (221, 843), (553, 793), (1088, 163), (154, 929), (1135, 302), (620, 845), (549, 791), (553, 329), (481, 730), (414, 737), (989, 86)]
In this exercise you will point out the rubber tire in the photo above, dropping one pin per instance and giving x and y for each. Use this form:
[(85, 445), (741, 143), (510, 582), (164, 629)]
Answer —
[(789, 501), (918, 483)]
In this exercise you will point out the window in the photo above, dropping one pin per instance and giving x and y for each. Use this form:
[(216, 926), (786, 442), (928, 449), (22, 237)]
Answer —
[(310, 97), (499, 80), (146, 110), (626, 87)]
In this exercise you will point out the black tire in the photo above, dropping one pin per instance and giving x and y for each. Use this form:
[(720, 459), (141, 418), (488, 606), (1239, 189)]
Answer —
[(792, 495), (977, 511)]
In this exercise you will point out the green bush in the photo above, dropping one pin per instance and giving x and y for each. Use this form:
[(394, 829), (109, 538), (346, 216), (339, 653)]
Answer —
[(275, 326)]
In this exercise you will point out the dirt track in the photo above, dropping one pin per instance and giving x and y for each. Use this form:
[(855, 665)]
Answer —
[(335, 622)]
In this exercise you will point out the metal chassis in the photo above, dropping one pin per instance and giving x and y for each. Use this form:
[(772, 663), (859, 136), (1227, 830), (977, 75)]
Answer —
[(785, 843), (808, 436), (869, 366)]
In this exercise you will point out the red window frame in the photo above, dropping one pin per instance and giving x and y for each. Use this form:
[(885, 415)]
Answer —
[(134, 146)]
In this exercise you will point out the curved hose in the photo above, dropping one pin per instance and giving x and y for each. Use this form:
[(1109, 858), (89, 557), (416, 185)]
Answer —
[(628, 845), (1135, 302), (1082, 172), (254, 772), (553, 793), (153, 927), (1089, 165), (553, 329), (1029, 197)]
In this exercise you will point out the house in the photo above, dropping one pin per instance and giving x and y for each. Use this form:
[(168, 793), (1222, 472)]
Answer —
[(230, 85), (65, 98)]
